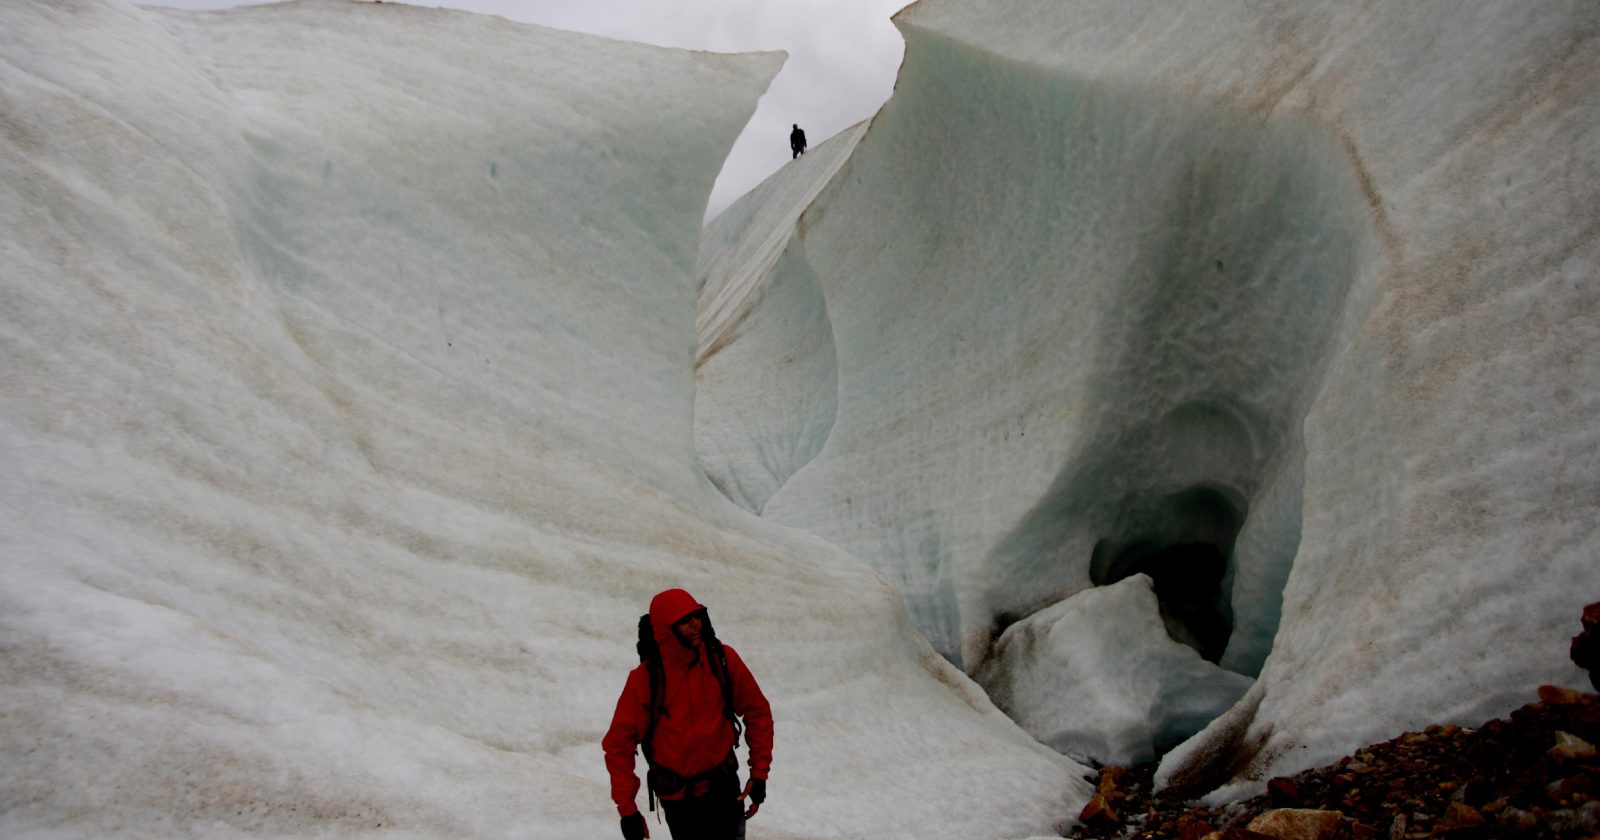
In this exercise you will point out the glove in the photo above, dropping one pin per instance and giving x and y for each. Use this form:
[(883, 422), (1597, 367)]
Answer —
[(633, 827), (758, 791)]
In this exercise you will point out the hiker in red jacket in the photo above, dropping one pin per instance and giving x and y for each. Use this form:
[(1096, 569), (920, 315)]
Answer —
[(682, 705)]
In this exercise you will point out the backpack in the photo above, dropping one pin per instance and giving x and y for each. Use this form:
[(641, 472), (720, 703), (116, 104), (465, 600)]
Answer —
[(650, 656)]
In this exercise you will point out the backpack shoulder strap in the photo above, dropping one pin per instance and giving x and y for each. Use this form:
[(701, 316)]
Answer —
[(650, 656), (719, 660)]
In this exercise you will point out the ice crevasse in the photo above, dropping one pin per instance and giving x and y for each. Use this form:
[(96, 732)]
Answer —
[(1276, 311)]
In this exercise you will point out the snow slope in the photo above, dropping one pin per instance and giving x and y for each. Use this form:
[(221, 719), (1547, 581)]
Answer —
[(1310, 288), (347, 415)]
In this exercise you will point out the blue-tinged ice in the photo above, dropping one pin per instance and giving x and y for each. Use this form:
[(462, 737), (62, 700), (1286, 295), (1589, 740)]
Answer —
[(1286, 305)]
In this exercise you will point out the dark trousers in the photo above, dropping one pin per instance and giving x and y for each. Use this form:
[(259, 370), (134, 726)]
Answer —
[(717, 815)]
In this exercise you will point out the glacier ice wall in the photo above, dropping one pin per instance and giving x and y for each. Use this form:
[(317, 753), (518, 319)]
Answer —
[(765, 391), (1293, 295), (1046, 330), (347, 415)]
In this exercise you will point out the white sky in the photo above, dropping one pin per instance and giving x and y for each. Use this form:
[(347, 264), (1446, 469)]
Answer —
[(843, 56)]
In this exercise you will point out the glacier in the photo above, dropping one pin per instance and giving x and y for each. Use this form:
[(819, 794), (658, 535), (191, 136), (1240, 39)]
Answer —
[(1281, 305), (347, 425), (1208, 382)]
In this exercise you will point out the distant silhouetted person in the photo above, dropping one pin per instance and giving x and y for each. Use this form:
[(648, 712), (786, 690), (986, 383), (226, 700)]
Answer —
[(797, 141)]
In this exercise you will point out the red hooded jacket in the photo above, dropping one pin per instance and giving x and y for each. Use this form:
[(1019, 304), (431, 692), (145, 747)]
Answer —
[(692, 736)]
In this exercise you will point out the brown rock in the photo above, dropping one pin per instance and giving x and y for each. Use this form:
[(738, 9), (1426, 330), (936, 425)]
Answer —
[(1097, 811), (1557, 696), (1571, 820), (1190, 828), (1458, 817), (1283, 792), (1562, 791), (1569, 747), (1299, 824), (1586, 645), (1238, 834), (1519, 820), (1111, 779)]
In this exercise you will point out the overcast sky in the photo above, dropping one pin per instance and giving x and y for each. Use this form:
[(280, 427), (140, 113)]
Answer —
[(843, 55)]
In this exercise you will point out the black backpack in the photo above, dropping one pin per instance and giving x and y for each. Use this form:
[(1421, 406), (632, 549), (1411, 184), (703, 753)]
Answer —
[(650, 656)]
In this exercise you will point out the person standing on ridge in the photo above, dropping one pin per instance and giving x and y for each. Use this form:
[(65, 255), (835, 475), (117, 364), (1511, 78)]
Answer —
[(683, 707), (797, 141)]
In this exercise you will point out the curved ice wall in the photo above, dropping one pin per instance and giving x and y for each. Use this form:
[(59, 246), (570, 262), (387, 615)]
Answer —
[(765, 389), (1281, 306), (346, 416)]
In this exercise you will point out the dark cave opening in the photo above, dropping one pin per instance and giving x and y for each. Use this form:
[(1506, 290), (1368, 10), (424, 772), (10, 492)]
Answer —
[(1184, 542)]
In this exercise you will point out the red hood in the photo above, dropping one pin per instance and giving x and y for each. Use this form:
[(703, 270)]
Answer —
[(667, 609)]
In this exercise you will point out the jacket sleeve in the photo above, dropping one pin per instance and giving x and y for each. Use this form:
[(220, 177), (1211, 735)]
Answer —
[(752, 705), (622, 739)]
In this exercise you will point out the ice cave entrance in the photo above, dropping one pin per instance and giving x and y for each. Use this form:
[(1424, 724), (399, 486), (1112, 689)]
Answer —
[(1184, 542)]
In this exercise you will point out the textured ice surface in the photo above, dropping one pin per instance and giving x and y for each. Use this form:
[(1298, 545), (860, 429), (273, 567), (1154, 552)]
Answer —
[(1313, 285), (765, 394), (1097, 677), (1058, 308), (346, 417)]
